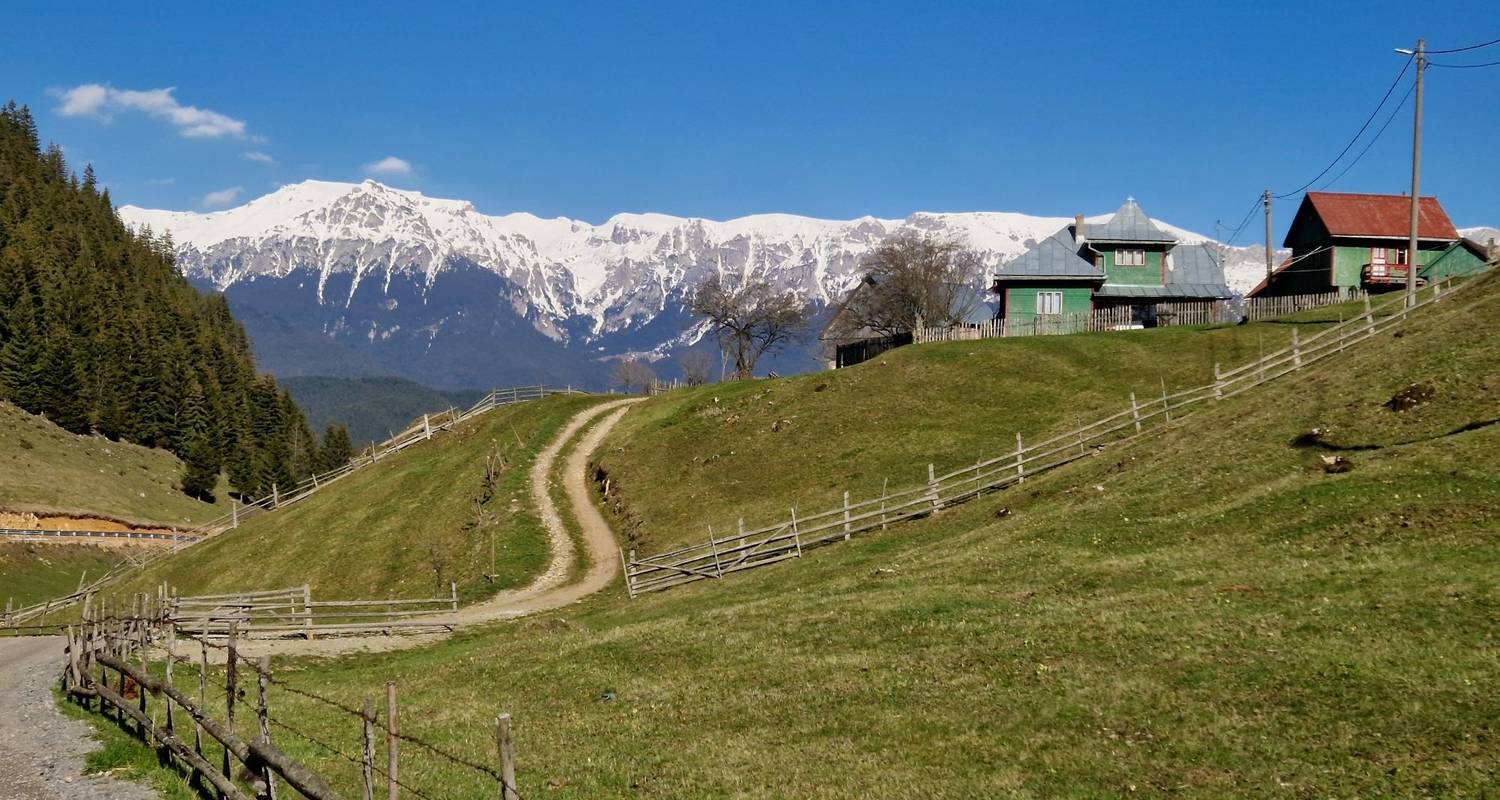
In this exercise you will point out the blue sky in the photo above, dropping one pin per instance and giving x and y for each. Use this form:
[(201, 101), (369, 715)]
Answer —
[(725, 109)]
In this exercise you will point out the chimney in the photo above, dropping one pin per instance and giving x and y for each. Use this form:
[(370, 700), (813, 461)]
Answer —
[(1078, 228), (1492, 251)]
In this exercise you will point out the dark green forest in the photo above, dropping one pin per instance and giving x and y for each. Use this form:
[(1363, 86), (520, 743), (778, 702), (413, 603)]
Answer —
[(100, 333)]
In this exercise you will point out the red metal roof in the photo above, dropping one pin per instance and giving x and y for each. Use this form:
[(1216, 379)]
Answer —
[(1380, 215)]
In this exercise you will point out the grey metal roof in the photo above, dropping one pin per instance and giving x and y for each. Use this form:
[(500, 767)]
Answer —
[(1053, 257), (1196, 265), (1129, 224)]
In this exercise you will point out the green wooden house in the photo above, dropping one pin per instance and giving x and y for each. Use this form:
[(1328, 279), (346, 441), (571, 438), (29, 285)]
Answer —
[(1343, 241), (1125, 260)]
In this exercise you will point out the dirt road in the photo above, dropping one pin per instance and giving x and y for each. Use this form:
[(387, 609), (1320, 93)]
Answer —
[(41, 751), (552, 588)]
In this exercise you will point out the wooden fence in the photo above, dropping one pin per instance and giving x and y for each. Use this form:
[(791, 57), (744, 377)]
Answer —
[(124, 669), (1258, 308), (789, 537), (292, 612), (1120, 318)]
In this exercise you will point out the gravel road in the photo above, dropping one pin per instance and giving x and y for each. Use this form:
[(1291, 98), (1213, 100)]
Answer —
[(41, 751)]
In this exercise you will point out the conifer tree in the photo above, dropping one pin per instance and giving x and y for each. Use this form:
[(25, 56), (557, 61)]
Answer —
[(337, 449), (21, 357)]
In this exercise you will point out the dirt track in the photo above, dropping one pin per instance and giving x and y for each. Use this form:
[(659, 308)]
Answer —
[(41, 751), (552, 588)]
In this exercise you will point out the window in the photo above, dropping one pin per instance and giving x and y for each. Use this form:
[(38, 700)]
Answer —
[(1130, 258), (1048, 303), (1377, 255)]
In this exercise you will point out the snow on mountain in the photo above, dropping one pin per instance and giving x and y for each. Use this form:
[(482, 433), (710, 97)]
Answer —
[(402, 278), (616, 274)]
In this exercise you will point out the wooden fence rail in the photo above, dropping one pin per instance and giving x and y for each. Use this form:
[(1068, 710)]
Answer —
[(293, 612), (789, 537), (109, 669)]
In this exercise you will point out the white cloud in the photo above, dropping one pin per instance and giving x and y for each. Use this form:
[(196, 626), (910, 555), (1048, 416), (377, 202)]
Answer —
[(390, 165), (221, 198), (100, 101), (258, 157)]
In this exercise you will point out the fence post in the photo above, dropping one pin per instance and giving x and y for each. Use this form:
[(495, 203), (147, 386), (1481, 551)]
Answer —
[(885, 482), (231, 668), (1135, 410), (1369, 318), (740, 525), (507, 759), (846, 515), (932, 489), (625, 569), (263, 715), (392, 744), (1218, 382), (1020, 462), (234, 512), (368, 762), (1437, 292), (796, 537), (714, 548), (171, 647), (426, 427), (453, 594), (1165, 406), (275, 497), (202, 691), (307, 612), (1296, 349)]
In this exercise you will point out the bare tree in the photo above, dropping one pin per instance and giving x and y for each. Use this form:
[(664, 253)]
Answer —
[(696, 366), (750, 321), (910, 277), (633, 374)]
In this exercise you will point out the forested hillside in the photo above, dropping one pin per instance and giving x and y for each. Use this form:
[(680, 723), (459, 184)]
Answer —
[(101, 334)]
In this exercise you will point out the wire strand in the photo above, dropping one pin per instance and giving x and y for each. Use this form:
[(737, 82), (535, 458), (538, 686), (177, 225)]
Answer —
[(1465, 49), (1463, 66), (1372, 142), (1404, 67)]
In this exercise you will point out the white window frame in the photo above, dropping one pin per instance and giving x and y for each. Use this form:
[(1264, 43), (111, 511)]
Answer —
[(1137, 258), (1049, 300)]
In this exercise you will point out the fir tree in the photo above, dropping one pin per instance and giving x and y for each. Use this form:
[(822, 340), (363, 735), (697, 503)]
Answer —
[(21, 357), (337, 449)]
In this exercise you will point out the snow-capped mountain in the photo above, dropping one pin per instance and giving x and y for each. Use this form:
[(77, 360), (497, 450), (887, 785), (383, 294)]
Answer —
[(406, 281)]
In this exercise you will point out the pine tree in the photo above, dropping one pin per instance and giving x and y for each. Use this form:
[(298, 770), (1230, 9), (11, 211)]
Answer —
[(200, 474), (337, 449), (21, 357)]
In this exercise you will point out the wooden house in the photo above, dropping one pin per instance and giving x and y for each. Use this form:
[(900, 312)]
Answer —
[(1343, 241), (1125, 260)]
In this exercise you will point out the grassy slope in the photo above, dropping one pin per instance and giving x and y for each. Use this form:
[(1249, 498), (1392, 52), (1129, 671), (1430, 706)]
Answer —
[(1204, 613), (706, 456), (397, 529), (45, 468), (31, 573)]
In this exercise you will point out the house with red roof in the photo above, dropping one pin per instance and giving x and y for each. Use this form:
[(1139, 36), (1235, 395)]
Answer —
[(1342, 242)]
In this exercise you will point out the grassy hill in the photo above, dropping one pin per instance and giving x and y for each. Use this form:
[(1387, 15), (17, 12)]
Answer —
[(751, 449), (44, 468), (31, 573), (372, 408), (1205, 612), (402, 528)]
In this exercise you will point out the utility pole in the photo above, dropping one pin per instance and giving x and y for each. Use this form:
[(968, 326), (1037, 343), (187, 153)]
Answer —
[(1270, 248), (1416, 177)]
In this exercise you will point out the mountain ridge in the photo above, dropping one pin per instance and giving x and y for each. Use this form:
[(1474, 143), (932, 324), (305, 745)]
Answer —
[(364, 266)]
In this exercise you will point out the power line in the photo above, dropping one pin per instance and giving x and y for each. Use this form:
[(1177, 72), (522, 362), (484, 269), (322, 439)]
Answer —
[(1371, 143), (1465, 49), (1243, 222), (1464, 66), (1404, 67)]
